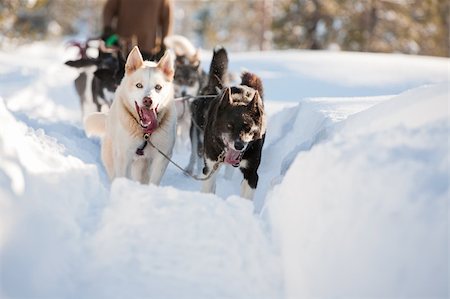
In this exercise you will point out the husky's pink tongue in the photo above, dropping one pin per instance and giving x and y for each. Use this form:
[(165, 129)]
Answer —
[(233, 157), (148, 118)]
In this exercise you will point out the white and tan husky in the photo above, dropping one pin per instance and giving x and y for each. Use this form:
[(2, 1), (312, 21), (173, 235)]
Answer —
[(143, 104)]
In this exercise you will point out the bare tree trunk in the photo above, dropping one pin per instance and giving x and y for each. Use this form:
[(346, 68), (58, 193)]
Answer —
[(265, 40), (370, 21), (312, 28)]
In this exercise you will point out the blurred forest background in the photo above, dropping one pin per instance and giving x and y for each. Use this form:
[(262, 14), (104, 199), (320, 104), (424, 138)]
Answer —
[(401, 26)]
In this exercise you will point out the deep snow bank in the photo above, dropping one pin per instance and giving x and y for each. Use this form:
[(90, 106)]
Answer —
[(160, 242), (364, 214), (48, 199)]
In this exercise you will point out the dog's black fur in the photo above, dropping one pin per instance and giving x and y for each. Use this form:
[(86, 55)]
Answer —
[(217, 79), (236, 120), (108, 70)]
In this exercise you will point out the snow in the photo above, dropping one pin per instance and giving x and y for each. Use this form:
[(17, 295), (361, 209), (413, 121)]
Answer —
[(203, 258), (352, 199), (296, 74), (371, 214)]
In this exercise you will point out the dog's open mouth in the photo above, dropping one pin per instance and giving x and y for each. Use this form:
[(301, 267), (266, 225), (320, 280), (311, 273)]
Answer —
[(148, 118), (233, 157)]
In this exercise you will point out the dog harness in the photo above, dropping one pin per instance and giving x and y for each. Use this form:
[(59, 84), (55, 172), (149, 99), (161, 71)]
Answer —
[(140, 149)]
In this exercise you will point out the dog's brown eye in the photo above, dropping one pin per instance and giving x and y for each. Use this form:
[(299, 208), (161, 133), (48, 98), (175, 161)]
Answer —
[(139, 85), (158, 87)]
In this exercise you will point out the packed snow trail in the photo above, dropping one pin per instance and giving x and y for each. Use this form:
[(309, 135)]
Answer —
[(70, 237), (350, 189)]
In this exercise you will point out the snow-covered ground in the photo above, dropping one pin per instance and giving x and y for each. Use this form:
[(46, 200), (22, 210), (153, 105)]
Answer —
[(352, 199)]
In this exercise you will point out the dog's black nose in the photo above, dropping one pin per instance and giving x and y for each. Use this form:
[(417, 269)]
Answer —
[(147, 101), (238, 145)]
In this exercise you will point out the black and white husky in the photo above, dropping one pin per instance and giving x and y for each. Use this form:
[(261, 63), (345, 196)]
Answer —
[(217, 79), (234, 133)]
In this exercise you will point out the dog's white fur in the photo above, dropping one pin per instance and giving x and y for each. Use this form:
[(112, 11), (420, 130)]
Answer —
[(182, 47), (120, 129)]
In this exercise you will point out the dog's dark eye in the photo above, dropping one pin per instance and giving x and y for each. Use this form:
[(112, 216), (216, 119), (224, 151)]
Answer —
[(230, 127), (139, 85), (158, 87)]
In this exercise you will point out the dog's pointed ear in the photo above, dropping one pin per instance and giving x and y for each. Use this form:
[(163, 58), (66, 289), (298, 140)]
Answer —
[(226, 99), (256, 104), (255, 100), (195, 59), (166, 64), (196, 65), (134, 61), (258, 107)]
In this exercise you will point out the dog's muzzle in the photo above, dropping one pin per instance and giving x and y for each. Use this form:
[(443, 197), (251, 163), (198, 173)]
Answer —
[(148, 117), (233, 156)]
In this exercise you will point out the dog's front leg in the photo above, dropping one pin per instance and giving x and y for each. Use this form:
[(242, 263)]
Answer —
[(139, 170), (248, 185), (200, 150), (246, 190), (119, 166), (209, 185), (122, 165), (194, 149), (157, 169)]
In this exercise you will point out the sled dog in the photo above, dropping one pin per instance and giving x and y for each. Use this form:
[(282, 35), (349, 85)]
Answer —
[(188, 80), (217, 79), (189, 76), (143, 104), (97, 80), (235, 131)]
